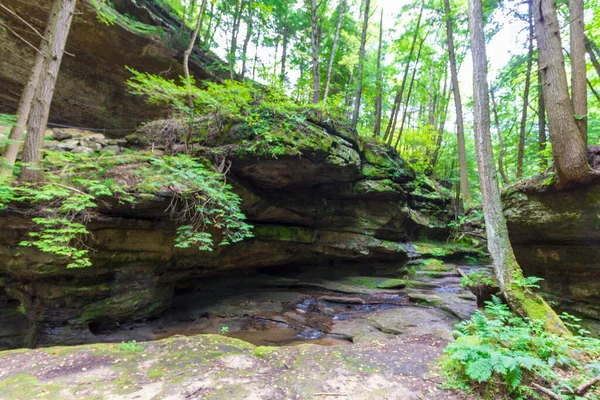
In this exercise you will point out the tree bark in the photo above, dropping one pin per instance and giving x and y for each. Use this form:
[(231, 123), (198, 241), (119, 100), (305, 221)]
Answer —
[(16, 133), (379, 84), (38, 117), (507, 270), (361, 57), (541, 120), (441, 122), (460, 130), (336, 38), (521, 150), (389, 131), (284, 52), (578, 66), (500, 140), (568, 146)]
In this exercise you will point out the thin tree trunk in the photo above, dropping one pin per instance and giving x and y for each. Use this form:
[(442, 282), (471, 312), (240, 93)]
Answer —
[(255, 56), (361, 57), (336, 37), (589, 45), (500, 140), (441, 124), (594, 91), (521, 149), (247, 38), (186, 74), (410, 87), (578, 67), (235, 29), (460, 130), (208, 37), (389, 132), (314, 45), (568, 146), (379, 84), (16, 133), (507, 270), (38, 117), (541, 120), (286, 39)]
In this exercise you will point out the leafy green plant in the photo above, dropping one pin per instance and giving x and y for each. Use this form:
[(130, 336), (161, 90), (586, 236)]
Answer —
[(224, 330), (131, 347), (529, 282), (498, 346), (201, 199), (476, 278)]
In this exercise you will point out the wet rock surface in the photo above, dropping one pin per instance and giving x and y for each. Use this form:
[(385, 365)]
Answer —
[(378, 344)]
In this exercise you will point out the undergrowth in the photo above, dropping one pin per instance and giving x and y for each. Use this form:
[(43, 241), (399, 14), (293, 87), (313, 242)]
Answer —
[(202, 203), (501, 355)]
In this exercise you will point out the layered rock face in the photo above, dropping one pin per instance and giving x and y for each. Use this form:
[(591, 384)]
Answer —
[(331, 198), (556, 236), (91, 90)]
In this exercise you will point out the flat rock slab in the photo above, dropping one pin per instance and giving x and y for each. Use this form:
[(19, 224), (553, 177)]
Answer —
[(219, 367)]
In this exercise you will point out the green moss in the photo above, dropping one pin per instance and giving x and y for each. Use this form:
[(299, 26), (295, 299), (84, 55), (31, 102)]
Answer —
[(284, 233), (156, 372), (264, 352), (25, 386), (377, 283)]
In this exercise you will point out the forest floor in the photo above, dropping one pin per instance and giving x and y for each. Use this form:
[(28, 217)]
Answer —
[(373, 351)]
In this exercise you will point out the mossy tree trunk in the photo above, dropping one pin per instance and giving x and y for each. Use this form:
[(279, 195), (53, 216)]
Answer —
[(40, 108), (507, 270), (578, 65)]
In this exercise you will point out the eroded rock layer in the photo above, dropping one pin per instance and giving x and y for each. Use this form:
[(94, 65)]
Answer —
[(331, 197), (556, 236), (91, 89)]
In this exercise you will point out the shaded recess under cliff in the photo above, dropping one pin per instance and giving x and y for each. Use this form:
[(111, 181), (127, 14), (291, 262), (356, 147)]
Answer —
[(556, 236), (320, 196), (90, 90)]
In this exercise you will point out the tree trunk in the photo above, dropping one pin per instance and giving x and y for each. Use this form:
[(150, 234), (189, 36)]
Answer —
[(410, 87), (589, 45), (336, 37), (389, 131), (16, 133), (500, 140), (521, 150), (247, 38), (568, 146), (284, 53), (207, 42), (593, 91), (578, 67), (235, 29), (361, 57), (186, 74), (441, 123), (379, 84), (460, 130), (314, 45), (38, 117), (256, 57), (507, 270), (541, 120)]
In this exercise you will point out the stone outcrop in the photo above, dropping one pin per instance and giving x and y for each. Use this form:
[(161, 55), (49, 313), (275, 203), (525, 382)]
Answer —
[(325, 197), (556, 236), (90, 90)]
